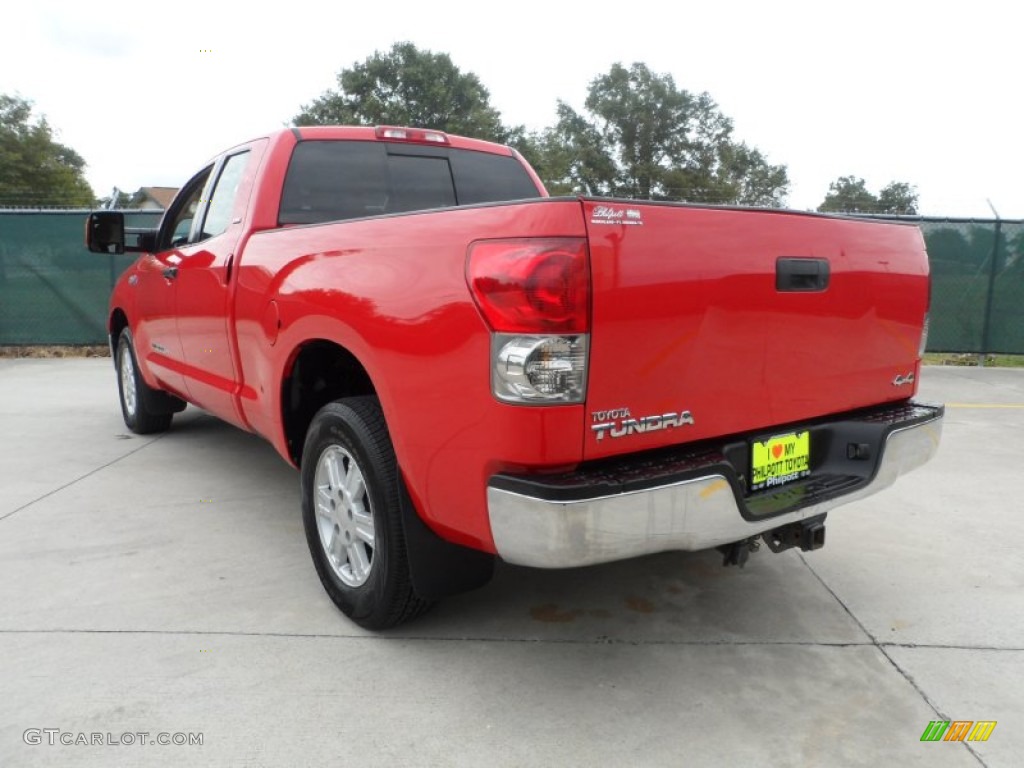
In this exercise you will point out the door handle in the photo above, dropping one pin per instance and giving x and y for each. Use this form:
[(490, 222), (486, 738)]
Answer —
[(171, 272), (799, 275)]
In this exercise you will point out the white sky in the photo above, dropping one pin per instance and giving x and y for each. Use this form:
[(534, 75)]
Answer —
[(924, 92)]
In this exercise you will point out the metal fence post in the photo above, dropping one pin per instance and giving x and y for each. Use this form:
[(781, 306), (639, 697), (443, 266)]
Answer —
[(987, 327)]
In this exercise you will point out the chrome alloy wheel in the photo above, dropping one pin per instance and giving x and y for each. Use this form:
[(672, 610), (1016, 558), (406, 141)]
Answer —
[(344, 518), (127, 370)]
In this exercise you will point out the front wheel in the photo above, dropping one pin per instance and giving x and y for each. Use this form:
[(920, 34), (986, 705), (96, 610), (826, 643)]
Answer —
[(137, 396), (351, 513)]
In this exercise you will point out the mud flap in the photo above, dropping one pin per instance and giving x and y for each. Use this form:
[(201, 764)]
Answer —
[(437, 567)]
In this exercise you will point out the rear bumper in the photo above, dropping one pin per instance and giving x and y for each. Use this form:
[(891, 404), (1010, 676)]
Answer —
[(695, 498)]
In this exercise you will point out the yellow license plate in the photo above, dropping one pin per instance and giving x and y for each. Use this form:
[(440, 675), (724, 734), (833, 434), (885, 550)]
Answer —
[(780, 460)]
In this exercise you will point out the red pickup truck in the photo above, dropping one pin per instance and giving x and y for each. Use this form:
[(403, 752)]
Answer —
[(463, 367)]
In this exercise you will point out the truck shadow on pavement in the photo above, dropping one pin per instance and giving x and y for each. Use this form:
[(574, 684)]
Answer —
[(664, 598)]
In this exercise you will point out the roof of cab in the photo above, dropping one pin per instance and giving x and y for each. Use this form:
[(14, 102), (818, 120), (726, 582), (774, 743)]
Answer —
[(370, 133)]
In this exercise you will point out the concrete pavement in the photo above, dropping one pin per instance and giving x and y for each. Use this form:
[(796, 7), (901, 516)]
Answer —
[(163, 585)]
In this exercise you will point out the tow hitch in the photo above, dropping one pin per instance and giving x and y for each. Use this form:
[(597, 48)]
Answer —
[(807, 534)]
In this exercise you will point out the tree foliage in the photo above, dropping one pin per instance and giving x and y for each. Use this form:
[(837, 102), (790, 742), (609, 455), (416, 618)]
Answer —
[(35, 169), (850, 194), (898, 197), (641, 136), (409, 86)]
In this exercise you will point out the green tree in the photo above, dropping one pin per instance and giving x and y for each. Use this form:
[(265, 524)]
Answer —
[(849, 194), (412, 87), (35, 169), (641, 136), (571, 158), (898, 197)]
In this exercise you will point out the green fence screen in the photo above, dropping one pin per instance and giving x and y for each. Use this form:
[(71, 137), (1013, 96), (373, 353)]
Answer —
[(53, 291), (977, 285)]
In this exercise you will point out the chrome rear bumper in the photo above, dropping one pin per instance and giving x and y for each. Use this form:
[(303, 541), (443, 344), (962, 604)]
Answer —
[(564, 522)]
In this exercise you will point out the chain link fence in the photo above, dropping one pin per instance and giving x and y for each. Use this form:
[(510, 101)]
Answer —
[(53, 291), (977, 269)]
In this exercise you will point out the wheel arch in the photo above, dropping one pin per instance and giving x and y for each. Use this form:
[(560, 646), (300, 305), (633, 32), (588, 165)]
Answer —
[(118, 322), (318, 372)]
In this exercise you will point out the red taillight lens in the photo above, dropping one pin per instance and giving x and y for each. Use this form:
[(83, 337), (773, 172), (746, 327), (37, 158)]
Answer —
[(531, 286)]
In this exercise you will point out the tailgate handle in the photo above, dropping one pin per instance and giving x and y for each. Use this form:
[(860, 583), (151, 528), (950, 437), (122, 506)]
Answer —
[(801, 274)]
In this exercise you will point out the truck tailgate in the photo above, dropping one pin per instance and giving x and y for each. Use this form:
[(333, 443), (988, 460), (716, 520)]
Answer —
[(711, 322)]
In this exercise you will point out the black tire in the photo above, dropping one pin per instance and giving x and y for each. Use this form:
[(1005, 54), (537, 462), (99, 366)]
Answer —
[(350, 490), (136, 396)]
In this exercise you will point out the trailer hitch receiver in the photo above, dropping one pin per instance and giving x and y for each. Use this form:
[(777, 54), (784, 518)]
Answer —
[(807, 534)]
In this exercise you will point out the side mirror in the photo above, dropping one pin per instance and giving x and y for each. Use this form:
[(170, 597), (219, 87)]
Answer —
[(104, 232)]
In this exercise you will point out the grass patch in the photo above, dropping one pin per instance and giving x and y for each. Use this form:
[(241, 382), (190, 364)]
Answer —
[(972, 358), (93, 350), (59, 350)]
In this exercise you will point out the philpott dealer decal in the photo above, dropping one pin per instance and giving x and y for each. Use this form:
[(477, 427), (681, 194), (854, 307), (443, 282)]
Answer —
[(608, 214)]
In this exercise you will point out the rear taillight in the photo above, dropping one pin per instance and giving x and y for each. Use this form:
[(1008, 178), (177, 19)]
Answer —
[(535, 295), (531, 286)]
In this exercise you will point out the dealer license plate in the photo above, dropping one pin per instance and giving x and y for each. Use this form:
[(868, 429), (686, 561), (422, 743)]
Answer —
[(780, 460)]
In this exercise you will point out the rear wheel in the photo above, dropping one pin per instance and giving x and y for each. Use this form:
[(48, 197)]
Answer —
[(351, 513), (137, 396)]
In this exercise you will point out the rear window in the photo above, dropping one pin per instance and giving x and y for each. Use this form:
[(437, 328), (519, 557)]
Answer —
[(331, 180)]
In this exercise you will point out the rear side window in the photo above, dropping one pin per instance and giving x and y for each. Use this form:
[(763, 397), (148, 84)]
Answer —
[(331, 180), (484, 178)]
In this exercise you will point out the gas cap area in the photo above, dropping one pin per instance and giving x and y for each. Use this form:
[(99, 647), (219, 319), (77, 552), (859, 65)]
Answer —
[(271, 322)]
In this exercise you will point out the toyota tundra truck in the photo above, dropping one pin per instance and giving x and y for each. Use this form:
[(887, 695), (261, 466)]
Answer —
[(463, 368)]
